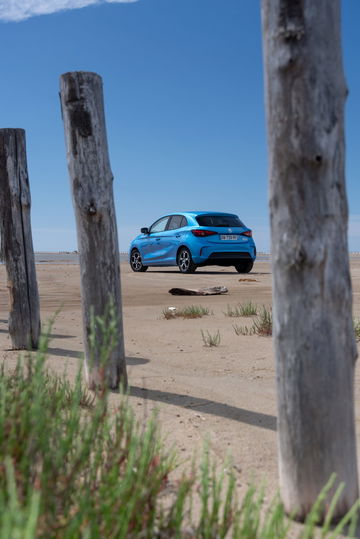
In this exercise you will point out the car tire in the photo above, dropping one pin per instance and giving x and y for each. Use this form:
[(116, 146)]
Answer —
[(136, 262), (185, 261), (244, 267)]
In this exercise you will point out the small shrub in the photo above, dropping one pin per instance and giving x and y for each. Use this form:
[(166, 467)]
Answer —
[(103, 336), (357, 329), (194, 311), (262, 325), (248, 309), (243, 309), (243, 330), (232, 312), (76, 465), (209, 339), (218, 500), (190, 311)]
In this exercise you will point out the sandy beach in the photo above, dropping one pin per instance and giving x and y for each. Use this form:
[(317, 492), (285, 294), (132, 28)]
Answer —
[(225, 394)]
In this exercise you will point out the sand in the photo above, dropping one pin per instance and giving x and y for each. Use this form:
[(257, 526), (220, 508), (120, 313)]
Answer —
[(225, 394)]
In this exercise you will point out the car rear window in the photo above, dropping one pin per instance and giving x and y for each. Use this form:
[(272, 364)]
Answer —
[(219, 220)]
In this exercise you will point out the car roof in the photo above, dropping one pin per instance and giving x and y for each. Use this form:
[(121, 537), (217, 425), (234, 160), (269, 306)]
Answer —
[(209, 213), (195, 213)]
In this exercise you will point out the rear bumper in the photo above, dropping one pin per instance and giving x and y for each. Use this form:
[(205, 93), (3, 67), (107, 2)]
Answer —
[(224, 258)]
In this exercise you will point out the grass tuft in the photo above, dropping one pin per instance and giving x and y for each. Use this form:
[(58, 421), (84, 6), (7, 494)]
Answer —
[(262, 325), (243, 330), (211, 339), (190, 311), (243, 309)]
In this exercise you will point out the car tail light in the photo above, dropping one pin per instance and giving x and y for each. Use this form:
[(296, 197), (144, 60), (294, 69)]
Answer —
[(202, 233), (247, 233)]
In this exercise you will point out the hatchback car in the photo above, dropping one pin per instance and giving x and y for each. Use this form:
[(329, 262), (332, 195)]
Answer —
[(193, 239)]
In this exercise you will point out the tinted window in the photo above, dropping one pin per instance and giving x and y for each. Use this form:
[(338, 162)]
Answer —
[(177, 221), (219, 220), (160, 225)]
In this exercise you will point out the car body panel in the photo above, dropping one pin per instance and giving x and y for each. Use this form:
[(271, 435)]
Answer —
[(160, 247), (225, 246)]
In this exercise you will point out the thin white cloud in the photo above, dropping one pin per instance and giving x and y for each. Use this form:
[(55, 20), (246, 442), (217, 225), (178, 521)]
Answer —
[(19, 10)]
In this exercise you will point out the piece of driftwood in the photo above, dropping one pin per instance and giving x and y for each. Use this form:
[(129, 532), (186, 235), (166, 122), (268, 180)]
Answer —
[(92, 190), (16, 240), (207, 291), (313, 328)]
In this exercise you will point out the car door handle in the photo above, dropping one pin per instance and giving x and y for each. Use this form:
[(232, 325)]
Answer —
[(158, 239), (177, 235)]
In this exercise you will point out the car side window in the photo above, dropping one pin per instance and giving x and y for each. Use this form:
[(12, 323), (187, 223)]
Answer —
[(183, 222), (175, 222), (159, 226)]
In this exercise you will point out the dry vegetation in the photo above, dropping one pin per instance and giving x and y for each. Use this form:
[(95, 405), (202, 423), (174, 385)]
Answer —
[(190, 311), (80, 470), (262, 325)]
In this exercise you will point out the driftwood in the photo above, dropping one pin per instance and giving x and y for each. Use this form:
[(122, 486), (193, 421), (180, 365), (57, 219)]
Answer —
[(208, 291), (16, 240), (313, 329), (92, 191)]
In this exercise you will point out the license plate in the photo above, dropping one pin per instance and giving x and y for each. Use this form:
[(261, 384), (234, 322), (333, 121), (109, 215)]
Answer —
[(228, 237)]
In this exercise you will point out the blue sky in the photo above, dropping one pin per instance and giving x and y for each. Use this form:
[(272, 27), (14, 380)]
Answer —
[(183, 89)]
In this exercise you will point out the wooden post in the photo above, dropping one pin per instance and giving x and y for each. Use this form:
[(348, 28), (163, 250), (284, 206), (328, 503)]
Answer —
[(91, 181), (16, 240), (313, 330)]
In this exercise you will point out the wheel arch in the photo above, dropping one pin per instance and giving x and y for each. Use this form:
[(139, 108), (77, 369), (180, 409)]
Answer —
[(135, 248)]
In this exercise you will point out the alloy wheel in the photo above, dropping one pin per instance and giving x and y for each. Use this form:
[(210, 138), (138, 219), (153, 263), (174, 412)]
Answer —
[(136, 261), (184, 260)]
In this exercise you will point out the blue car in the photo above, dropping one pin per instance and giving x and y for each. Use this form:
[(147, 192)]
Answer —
[(193, 239)]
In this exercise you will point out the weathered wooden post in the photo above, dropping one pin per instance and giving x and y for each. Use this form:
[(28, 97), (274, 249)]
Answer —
[(313, 330), (16, 240), (91, 181)]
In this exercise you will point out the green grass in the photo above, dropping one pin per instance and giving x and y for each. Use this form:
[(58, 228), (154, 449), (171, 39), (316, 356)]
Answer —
[(190, 311), (77, 466), (211, 339), (357, 329), (261, 325), (71, 467), (243, 309), (243, 330)]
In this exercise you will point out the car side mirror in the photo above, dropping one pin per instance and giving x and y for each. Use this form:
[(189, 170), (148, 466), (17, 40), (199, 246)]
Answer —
[(144, 230)]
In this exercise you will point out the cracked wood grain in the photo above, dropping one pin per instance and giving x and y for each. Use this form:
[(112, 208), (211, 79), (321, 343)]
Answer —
[(313, 330), (16, 240), (92, 192)]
